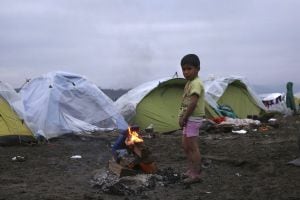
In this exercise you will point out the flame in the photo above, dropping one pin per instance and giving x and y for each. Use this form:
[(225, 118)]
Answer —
[(133, 137)]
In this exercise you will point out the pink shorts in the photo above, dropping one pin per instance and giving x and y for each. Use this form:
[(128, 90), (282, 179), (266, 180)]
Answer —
[(191, 128)]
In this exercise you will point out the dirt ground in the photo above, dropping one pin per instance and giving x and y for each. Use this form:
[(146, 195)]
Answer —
[(248, 166)]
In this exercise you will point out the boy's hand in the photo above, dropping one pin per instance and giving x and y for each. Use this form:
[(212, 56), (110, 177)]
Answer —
[(182, 122), (191, 107)]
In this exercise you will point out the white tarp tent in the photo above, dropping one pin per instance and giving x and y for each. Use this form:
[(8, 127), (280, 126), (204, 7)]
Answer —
[(59, 102)]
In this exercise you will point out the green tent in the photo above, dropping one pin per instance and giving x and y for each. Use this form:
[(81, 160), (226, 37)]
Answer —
[(235, 93), (12, 128), (156, 102)]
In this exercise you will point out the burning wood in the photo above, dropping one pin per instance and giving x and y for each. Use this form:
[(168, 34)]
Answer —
[(136, 156)]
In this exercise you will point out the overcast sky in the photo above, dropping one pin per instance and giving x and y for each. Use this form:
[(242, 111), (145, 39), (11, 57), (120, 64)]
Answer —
[(123, 43)]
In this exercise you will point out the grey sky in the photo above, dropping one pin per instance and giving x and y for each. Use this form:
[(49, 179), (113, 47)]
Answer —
[(122, 43)]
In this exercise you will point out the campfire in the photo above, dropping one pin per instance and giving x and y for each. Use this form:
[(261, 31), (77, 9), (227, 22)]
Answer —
[(135, 157), (133, 138)]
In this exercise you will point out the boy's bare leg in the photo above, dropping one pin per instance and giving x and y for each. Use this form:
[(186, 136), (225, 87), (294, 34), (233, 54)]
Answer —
[(187, 151), (195, 155)]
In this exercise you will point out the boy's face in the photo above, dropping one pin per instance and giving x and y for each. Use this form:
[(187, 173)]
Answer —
[(189, 71)]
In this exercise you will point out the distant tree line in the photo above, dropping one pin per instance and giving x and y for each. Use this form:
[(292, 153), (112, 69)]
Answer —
[(114, 94)]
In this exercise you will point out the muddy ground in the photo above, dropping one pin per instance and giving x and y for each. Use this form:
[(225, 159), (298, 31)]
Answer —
[(249, 166)]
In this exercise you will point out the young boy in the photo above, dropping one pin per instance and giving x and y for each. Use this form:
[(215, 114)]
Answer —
[(191, 115)]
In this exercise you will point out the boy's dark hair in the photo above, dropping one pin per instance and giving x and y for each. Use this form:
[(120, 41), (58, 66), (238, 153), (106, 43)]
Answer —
[(191, 59)]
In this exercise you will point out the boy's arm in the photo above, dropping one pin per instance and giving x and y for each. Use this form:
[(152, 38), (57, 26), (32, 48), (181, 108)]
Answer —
[(191, 107)]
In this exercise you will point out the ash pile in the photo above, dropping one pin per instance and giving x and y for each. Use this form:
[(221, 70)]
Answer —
[(108, 182)]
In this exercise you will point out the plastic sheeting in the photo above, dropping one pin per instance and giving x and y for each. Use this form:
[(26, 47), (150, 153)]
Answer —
[(60, 102), (275, 102), (13, 98)]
